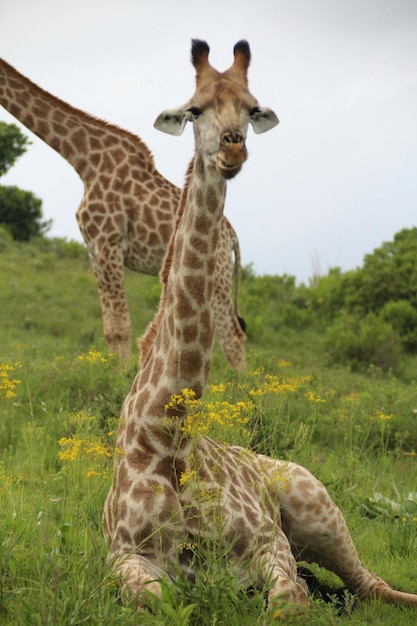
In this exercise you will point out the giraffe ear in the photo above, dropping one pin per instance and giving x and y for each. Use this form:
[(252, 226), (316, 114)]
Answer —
[(263, 119), (172, 121)]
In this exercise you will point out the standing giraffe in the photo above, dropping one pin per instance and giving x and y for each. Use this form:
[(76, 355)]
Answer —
[(174, 493), (127, 212)]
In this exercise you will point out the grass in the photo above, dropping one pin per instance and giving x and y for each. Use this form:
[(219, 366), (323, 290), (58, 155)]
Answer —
[(60, 398)]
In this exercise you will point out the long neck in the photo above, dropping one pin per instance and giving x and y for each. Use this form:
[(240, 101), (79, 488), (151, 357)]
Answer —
[(179, 343), (87, 143)]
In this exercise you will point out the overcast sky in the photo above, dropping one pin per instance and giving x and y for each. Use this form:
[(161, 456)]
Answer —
[(335, 179)]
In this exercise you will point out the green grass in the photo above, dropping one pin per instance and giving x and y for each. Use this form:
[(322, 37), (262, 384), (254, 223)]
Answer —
[(60, 399)]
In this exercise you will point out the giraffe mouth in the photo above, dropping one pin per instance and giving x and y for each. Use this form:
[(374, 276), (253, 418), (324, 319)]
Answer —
[(227, 170)]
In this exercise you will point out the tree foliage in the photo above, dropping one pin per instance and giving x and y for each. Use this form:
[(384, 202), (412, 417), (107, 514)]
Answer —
[(380, 301), (20, 211), (13, 143), (390, 272), (366, 316)]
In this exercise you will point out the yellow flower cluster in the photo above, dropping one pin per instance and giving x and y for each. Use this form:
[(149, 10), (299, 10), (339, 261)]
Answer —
[(381, 416), (219, 388), (92, 357), (272, 384), (186, 476), (221, 413), (74, 447), (7, 480), (82, 421), (7, 383), (202, 415), (278, 479), (185, 400), (89, 451), (313, 397)]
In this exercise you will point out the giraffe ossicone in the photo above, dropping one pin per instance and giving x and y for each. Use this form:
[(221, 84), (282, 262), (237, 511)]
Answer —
[(172, 491), (127, 212)]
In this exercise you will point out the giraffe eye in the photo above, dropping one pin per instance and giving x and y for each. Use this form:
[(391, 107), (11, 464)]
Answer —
[(254, 111), (195, 112)]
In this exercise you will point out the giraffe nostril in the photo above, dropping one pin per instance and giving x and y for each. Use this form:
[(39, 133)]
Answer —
[(232, 136)]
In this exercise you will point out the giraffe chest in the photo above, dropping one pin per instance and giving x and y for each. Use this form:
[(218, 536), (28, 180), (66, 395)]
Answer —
[(224, 497)]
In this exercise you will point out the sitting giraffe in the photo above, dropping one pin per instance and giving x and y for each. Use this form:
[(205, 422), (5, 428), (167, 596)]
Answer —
[(127, 212), (264, 512)]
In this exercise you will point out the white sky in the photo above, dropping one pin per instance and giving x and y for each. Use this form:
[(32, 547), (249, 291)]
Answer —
[(335, 179)]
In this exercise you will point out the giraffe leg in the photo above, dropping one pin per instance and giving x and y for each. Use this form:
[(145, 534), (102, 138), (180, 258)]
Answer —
[(317, 532), (287, 592), (228, 326), (231, 337), (140, 580), (108, 269)]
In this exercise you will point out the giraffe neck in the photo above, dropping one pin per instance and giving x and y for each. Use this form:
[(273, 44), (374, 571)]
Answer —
[(86, 142), (180, 340)]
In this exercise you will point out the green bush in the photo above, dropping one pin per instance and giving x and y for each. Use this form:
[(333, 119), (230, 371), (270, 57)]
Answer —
[(402, 317), (21, 213), (360, 343)]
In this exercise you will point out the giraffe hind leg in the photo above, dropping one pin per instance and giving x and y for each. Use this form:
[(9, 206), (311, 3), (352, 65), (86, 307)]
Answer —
[(318, 533), (339, 596), (107, 265)]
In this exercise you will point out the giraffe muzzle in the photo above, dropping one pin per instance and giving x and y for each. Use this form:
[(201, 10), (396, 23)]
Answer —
[(232, 153)]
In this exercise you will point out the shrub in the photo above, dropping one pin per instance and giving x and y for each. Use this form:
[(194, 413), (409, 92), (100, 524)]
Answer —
[(402, 317), (21, 213), (360, 343)]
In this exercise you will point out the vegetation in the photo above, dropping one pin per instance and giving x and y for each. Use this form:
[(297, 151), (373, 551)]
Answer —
[(366, 316), (330, 384), (13, 143), (20, 211)]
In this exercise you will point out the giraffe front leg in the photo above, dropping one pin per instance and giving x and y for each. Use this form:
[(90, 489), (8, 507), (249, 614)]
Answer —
[(140, 580), (288, 594)]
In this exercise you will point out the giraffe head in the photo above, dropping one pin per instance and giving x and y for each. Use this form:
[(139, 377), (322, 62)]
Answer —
[(221, 109)]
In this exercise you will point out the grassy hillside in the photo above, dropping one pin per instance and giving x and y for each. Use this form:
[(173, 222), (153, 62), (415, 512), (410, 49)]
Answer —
[(60, 397)]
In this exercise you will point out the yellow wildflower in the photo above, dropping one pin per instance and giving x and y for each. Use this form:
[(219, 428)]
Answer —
[(71, 448), (92, 356), (313, 397), (219, 388), (271, 384), (181, 400), (382, 417), (7, 383), (186, 476), (92, 472)]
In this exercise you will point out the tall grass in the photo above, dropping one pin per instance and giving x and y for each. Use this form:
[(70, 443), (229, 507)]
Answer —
[(60, 398)]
